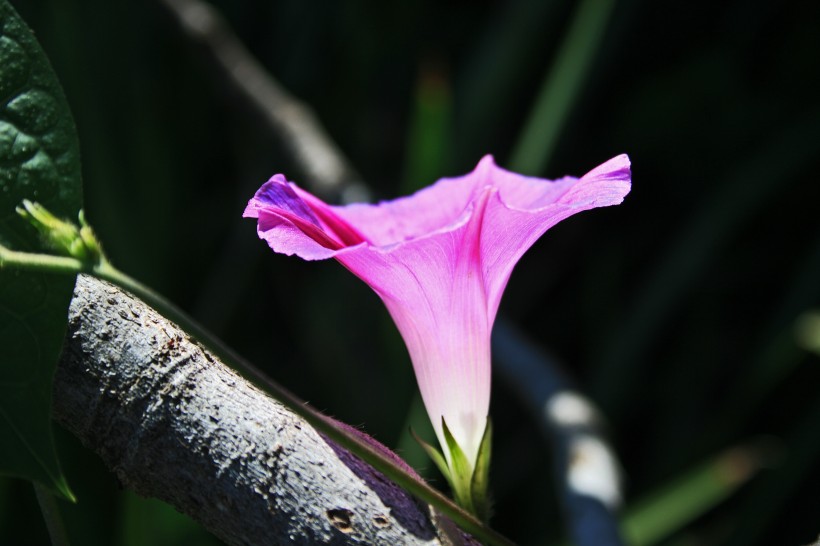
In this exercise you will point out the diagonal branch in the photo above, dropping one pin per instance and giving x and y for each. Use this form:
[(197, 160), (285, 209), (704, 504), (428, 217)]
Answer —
[(176, 424), (293, 123)]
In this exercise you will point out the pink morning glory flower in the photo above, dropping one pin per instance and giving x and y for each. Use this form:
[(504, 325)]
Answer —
[(440, 260)]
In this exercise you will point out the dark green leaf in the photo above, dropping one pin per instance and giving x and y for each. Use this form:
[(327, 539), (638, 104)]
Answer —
[(39, 160)]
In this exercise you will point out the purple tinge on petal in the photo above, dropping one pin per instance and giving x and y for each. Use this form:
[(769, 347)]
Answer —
[(277, 194), (294, 222), (605, 185), (617, 168), (329, 220), (440, 260)]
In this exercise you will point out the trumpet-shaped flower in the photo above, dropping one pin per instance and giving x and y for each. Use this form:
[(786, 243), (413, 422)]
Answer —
[(440, 260)]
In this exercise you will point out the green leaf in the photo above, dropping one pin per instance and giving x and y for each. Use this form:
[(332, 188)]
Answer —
[(39, 160), (480, 484)]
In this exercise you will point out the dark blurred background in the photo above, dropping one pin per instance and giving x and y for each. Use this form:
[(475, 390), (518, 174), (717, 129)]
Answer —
[(676, 311)]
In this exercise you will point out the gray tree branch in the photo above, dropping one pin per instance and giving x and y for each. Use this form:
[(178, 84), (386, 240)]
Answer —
[(295, 125), (174, 423)]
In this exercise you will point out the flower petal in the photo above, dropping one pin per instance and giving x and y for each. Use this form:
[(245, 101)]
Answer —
[(440, 260), (294, 222), (435, 293), (437, 207), (520, 215)]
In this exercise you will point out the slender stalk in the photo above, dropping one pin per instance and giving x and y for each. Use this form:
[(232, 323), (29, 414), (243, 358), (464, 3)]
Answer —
[(44, 263), (105, 271), (51, 515)]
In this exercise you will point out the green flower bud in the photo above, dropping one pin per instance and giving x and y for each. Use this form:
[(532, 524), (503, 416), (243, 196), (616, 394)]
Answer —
[(62, 236)]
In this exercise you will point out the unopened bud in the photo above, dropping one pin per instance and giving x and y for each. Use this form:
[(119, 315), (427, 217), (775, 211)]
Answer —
[(64, 237)]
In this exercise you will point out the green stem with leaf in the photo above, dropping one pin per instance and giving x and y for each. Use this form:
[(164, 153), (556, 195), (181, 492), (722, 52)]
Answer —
[(82, 253)]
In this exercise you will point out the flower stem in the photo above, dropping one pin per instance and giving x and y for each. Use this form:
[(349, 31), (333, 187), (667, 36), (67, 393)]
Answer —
[(45, 263), (103, 269)]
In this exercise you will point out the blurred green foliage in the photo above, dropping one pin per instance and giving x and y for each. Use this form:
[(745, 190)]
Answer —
[(675, 311)]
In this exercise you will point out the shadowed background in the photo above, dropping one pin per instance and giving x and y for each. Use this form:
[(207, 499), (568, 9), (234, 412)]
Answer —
[(676, 311)]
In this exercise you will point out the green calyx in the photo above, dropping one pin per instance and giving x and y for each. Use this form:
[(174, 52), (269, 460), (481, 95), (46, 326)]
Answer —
[(470, 484), (65, 237)]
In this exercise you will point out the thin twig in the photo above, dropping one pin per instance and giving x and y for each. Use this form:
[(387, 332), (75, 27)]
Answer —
[(324, 167)]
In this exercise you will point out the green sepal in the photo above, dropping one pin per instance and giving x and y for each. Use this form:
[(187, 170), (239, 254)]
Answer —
[(480, 484), (89, 239), (62, 236), (470, 486), (436, 456), (460, 469)]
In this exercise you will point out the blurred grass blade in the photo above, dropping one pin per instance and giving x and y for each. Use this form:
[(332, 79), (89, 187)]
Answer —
[(781, 348), (675, 505), (430, 138), (500, 66), (562, 85), (774, 493), (167, 527), (807, 331), (51, 515), (746, 190)]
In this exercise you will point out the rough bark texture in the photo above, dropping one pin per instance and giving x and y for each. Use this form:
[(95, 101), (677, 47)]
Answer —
[(176, 424)]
